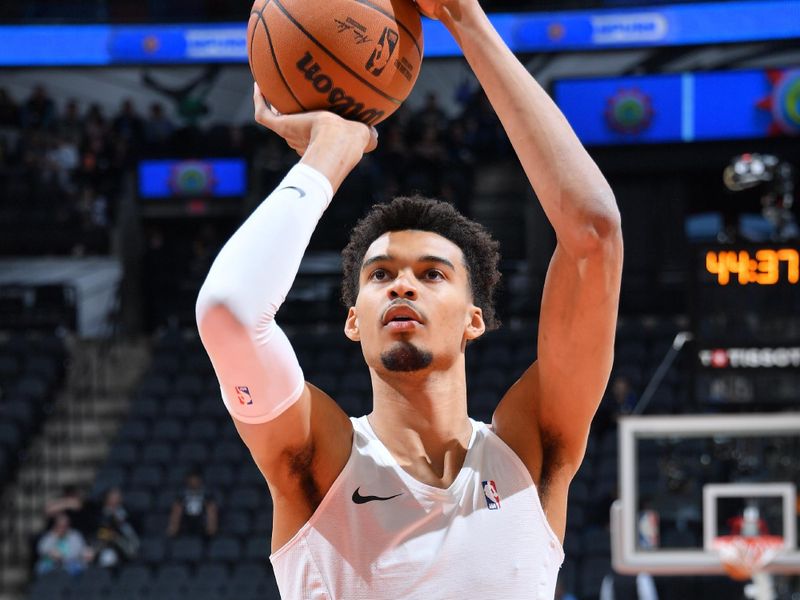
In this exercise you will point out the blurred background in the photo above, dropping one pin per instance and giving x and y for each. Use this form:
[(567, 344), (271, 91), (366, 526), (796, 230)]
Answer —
[(128, 156)]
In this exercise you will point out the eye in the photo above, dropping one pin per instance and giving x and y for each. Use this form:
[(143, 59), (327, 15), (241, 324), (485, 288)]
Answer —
[(434, 274), (379, 275)]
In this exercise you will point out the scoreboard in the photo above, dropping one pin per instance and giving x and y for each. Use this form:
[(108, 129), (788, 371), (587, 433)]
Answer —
[(745, 303)]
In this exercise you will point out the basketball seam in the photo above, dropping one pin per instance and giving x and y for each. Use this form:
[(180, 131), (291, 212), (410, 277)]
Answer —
[(275, 59), (377, 8), (334, 57)]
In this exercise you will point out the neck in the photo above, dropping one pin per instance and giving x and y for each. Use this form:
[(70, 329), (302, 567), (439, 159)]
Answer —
[(422, 417)]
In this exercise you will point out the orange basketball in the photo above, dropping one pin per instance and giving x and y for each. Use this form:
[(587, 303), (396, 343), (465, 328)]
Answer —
[(357, 58)]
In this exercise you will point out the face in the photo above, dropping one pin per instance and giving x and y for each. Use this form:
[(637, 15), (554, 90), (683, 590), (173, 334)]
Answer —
[(114, 497), (61, 524), (414, 310)]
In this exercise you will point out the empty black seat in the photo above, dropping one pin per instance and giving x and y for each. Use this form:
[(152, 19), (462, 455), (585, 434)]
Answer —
[(168, 430), (590, 576), (202, 430), (186, 549), (225, 549), (247, 498), (236, 523), (155, 385), (153, 550), (188, 384), (596, 542), (219, 475), (10, 435), (145, 407), (133, 579), (149, 476), (179, 406), (139, 501), (257, 548), (136, 430), (159, 453), (123, 454), (192, 453)]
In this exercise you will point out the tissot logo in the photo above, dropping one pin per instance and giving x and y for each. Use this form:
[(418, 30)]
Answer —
[(750, 358)]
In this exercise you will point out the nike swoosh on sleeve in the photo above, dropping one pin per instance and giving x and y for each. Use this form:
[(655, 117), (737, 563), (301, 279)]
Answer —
[(292, 187)]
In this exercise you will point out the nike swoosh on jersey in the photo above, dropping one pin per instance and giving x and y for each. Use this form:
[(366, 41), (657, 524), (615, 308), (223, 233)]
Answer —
[(359, 499)]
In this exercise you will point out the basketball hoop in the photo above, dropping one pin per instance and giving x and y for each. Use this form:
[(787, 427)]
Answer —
[(743, 557)]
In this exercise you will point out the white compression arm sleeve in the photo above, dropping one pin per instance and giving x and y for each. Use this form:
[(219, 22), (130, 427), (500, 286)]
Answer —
[(257, 369)]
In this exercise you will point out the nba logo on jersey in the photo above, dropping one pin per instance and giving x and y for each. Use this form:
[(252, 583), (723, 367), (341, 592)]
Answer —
[(243, 394), (492, 497)]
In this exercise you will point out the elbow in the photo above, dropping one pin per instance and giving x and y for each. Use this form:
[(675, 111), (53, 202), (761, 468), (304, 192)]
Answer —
[(213, 304), (601, 229)]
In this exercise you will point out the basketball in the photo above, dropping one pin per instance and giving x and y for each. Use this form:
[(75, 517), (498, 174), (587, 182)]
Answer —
[(357, 59)]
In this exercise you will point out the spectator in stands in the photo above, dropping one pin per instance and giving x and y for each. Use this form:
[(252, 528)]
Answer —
[(116, 540), (158, 127), (9, 111), (71, 123), (625, 398), (128, 124), (619, 587), (60, 162), (562, 593), (39, 110), (431, 115), (81, 512), (195, 511), (62, 548)]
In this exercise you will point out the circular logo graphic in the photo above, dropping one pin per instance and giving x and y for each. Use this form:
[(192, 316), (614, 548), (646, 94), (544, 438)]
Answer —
[(192, 178), (556, 32), (629, 112), (151, 44), (786, 103)]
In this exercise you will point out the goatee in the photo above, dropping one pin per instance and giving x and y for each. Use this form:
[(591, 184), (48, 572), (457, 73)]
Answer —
[(405, 357)]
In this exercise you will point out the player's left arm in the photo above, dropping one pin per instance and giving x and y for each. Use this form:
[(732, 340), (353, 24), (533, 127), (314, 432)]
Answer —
[(546, 415)]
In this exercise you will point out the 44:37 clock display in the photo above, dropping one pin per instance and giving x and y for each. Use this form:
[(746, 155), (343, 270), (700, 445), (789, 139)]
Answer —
[(766, 266)]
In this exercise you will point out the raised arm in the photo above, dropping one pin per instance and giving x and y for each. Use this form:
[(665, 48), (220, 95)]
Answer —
[(546, 415), (278, 415)]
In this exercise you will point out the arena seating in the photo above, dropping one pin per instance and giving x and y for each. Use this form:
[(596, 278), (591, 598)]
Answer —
[(31, 371), (178, 422)]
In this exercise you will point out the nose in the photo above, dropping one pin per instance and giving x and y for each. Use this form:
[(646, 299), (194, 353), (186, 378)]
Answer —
[(403, 287)]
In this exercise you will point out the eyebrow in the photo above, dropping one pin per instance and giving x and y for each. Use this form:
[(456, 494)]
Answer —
[(429, 258)]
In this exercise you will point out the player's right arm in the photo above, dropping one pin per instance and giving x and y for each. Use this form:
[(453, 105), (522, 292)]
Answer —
[(294, 432)]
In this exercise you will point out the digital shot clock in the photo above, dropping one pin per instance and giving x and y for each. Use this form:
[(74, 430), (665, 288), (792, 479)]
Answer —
[(764, 266), (745, 308)]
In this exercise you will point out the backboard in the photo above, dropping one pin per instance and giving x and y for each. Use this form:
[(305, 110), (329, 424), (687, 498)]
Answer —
[(684, 480)]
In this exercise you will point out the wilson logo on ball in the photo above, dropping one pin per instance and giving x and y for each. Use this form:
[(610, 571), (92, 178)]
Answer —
[(383, 51), (339, 101)]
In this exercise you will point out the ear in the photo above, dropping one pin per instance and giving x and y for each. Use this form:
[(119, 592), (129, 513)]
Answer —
[(475, 326), (351, 325)]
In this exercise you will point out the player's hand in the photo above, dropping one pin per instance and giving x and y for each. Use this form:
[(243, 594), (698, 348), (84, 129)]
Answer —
[(435, 9), (302, 129)]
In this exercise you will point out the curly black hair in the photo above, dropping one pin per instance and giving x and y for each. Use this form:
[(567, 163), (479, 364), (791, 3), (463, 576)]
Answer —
[(425, 214)]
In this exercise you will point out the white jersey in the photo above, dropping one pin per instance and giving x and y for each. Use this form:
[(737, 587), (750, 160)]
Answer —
[(379, 534)]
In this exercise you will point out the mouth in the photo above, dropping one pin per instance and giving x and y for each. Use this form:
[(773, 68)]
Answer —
[(401, 318)]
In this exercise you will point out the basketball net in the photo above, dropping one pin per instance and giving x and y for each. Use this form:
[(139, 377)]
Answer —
[(744, 558)]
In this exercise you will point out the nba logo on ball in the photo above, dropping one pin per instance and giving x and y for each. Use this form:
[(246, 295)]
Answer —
[(243, 394), (491, 495), (383, 51)]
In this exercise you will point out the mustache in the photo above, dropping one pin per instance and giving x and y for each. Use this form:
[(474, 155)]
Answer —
[(404, 302)]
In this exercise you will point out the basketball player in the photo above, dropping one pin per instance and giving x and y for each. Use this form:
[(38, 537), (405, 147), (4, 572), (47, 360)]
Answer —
[(416, 500)]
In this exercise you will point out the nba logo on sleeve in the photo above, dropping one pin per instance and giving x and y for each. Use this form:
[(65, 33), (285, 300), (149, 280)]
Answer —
[(491, 495), (243, 394)]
